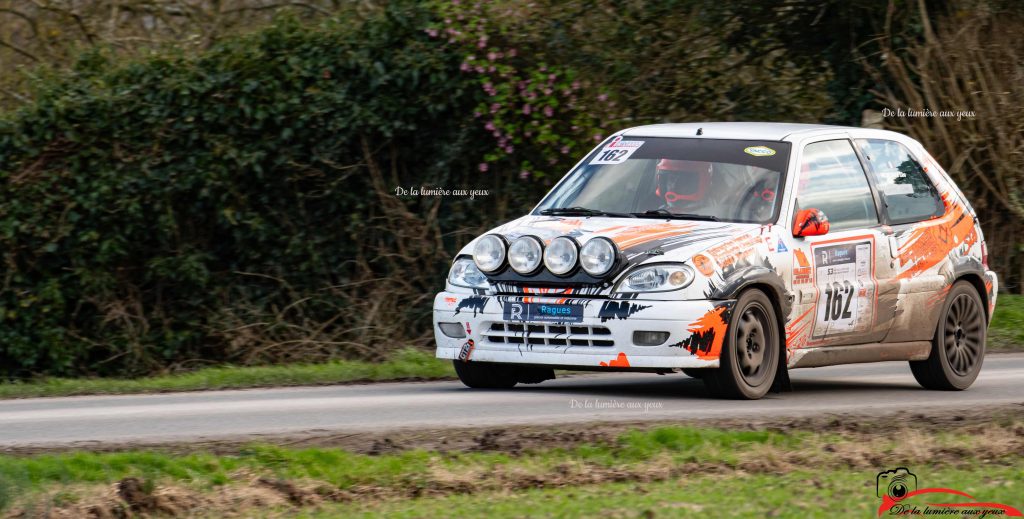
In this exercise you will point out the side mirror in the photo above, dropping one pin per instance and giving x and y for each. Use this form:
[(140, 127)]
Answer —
[(810, 222)]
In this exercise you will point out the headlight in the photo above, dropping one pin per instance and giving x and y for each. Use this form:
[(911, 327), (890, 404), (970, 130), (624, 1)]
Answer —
[(489, 253), (465, 274), (597, 256), (560, 255), (524, 254), (657, 278)]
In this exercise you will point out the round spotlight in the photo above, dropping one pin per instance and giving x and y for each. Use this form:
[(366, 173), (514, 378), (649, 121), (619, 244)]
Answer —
[(560, 255), (525, 253), (598, 256), (489, 253)]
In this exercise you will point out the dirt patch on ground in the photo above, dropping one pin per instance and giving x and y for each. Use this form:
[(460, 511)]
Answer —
[(982, 436)]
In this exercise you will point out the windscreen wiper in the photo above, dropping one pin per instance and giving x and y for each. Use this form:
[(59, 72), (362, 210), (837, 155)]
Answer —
[(665, 213), (581, 211)]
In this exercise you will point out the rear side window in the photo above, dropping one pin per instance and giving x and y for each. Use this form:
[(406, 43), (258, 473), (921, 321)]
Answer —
[(833, 181), (908, 193)]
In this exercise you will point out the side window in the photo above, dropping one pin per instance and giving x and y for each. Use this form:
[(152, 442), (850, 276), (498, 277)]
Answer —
[(833, 181), (908, 193)]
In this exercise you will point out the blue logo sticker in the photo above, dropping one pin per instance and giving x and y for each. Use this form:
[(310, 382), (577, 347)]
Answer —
[(781, 247)]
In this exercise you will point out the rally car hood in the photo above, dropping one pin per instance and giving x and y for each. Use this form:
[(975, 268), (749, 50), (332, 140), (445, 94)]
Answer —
[(639, 239)]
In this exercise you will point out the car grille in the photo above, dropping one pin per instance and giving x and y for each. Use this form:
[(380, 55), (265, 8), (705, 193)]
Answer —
[(547, 334)]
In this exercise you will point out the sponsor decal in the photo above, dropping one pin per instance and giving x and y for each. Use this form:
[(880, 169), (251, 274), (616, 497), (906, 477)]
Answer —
[(898, 487), (734, 250), (845, 279), (468, 331), (476, 303), (467, 350), (801, 268), (704, 265), (618, 362), (450, 301), (616, 151), (619, 310), (543, 312), (759, 151), (781, 247)]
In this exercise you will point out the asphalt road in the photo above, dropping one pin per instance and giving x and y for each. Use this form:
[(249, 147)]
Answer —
[(855, 389)]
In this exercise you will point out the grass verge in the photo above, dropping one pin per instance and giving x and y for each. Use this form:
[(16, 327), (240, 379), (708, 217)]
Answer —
[(670, 470), (1007, 330), (404, 365)]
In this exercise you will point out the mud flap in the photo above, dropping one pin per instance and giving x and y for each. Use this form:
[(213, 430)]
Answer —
[(781, 383)]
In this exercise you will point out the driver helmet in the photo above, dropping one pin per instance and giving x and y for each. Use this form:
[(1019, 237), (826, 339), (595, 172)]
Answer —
[(682, 180)]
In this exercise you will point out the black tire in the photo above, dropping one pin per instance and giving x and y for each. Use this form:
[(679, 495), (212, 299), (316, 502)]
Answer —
[(958, 347), (697, 373), (486, 375), (750, 354)]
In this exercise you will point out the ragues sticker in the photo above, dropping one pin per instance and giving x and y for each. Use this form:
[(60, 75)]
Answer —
[(759, 151), (617, 151)]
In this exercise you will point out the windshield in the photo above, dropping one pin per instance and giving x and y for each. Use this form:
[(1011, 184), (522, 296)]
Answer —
[(715, 179)]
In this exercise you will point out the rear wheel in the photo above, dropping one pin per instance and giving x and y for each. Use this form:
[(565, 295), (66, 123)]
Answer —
[(958, 347), (750, 354)]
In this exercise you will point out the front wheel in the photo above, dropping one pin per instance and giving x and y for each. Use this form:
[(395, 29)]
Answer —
[(958, 347), (750, 354)]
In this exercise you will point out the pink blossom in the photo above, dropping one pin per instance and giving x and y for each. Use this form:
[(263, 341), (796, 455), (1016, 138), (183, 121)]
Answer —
[(547, 91), (479, 69), (509, 149), (551, 77), (490, 68), (495, 107), (447, 21), (465, 67), (575, 85), (565, 150), (496, 134), (512, 53), (598, 138), (477, 113), (482, 167), (489, 126), (491, 56), (528, 134), (431, 32), (602, 97), (526, 109), (524, 174), (548, 111)]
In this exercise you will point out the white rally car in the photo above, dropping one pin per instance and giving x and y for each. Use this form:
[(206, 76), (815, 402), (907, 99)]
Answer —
[(730, 251)]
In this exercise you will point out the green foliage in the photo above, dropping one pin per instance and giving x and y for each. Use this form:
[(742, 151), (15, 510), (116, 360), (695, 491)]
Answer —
[(143, 201)]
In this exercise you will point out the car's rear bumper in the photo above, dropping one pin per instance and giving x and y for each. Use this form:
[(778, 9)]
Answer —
[(992, 285), (603, 337)]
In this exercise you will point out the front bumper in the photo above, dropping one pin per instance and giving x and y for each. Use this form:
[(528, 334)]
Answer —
[(602, 338)]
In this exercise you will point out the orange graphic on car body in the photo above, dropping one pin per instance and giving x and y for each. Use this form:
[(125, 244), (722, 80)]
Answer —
[(708, 334), (618, 362), (932, 241)]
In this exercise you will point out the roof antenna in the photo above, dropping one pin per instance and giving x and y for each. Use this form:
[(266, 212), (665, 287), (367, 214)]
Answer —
[(700, 131)]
